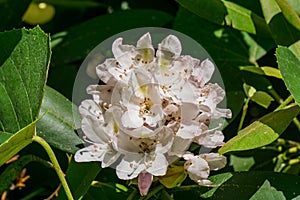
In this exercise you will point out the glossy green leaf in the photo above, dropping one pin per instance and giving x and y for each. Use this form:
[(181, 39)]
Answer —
[(289, 66), (267, 192), (277, 23), (17, 142), (11, 12), (229, 13), (24, 60), (243, 185), (261, 132), (289, 13), (82, 38), (174, 176), (79, 177), (57, 126)]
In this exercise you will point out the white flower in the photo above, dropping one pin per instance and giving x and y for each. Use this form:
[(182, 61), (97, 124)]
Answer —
[(153, 106), (198, 167), (144, 154), (126, 58), (100, 131)]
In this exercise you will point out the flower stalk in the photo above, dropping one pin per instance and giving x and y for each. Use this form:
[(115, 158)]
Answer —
[(56, 165)]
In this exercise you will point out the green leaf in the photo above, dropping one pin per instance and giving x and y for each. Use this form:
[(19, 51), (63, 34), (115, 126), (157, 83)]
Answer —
[(79, 177), (261, 132), (268, 71), (57, 126), (4, 136), (277, 22), (24, 60), (217, 180), (255, 50), (174, 176), (295, 48), (267, 192), (295, 5), (241, 163), (262, 98), (227, 13), (17, 142), (243, 185), (11, 12), (289, 67), (289, 13), (82, 38)]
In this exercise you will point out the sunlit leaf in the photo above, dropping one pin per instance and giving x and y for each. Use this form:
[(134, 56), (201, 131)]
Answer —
[(262, 98), (226, 12), (261, 132), (289, 13), (17, 142), (289, 66)]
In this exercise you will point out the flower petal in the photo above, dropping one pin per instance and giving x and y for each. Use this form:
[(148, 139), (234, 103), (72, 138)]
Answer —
[(144, 182), (214, 160), (130, 166)]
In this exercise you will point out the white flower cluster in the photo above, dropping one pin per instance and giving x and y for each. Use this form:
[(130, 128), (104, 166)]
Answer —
[(154, 105)]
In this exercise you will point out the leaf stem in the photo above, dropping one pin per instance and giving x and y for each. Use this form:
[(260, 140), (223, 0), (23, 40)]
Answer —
[(55, 163), (245, 108), (153, 192), (285, 103)]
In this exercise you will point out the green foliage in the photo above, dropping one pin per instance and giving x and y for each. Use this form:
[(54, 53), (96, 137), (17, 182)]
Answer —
[(262, 142), (261, 132)]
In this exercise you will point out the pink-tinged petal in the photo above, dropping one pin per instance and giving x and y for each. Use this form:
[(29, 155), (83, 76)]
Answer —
[(197, 168), (101, 93), (103, 69), (203, 73), (130, 166), (157, 167), (210, 139), (144, 182), (214, 160), (171, 44)]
